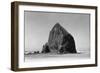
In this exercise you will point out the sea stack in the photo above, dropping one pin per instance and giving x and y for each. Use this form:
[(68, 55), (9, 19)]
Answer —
[(60, 41)]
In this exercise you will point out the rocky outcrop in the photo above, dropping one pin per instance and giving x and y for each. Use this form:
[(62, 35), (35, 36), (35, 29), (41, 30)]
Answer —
[(60, 41), (46, 48)]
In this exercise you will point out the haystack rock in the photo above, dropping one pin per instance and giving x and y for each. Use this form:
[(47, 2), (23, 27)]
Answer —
[(60, 41)]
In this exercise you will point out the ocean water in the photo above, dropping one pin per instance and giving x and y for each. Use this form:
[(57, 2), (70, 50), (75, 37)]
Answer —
[(81, 54)]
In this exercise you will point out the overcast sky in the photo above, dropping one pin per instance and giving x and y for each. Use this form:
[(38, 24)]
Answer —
[(39, 24)]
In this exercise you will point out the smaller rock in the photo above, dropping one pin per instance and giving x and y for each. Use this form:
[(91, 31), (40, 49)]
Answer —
[(45, 48)]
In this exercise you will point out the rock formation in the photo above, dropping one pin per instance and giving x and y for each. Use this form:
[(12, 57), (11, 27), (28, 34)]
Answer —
[(46, 48), (60, 41)]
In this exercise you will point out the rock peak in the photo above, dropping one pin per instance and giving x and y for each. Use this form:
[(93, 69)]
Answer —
[(57, 25), (58, 28)]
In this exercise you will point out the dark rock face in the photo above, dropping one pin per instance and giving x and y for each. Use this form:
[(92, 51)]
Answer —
[(60, 41), (46, 48)]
